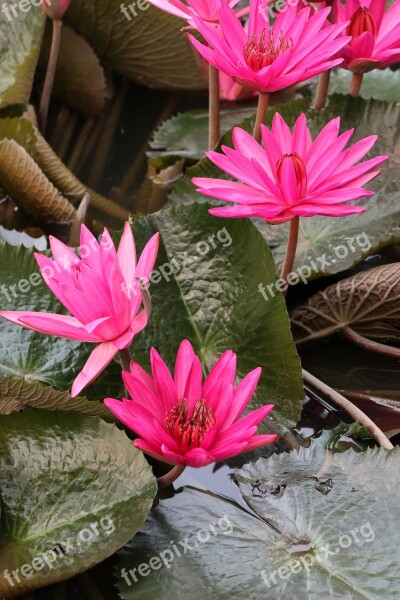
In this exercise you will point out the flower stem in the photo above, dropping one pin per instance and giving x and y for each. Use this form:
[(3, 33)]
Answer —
[(262, 108), (170, 477), (50, 74), (213, 107), (363, 342), (125, 356), (350, 408), (322, 90), (355, 85), (291, 247)]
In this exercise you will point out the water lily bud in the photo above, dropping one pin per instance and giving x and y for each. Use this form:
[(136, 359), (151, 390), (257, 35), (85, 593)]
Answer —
[(55, 9)]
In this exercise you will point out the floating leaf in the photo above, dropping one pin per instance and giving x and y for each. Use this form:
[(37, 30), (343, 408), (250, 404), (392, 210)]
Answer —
[(73, 490), (19, 50), (367, 302), (149, 48), (21, 394), (186, 134), (336, 532), (330, 245), (381, 84), (333, 536), (79, 80)]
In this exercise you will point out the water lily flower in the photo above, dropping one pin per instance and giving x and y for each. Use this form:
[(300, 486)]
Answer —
[(291, 175), (102, 292), (207, 10), (55, 9), (299, 45), (232, 91), (184, 421), (375, 34)]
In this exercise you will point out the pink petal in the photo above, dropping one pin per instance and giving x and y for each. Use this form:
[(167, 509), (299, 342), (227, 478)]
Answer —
[(148, 258), (183, 364), (142, 375), (50, 323), (242, 395), (101, 356), (127, 254), (164, 384), (258, 441), (193, 384), (144, 394)]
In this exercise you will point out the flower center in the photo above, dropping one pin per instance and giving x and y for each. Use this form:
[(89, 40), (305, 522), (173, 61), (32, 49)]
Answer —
[(262, 54), (189, 432), (362, 21), (299, 170)]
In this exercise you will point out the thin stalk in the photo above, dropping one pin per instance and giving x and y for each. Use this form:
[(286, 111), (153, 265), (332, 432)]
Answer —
[(324, 77), (363, 342), (213, 107), (125, 356), (322, 90), (50, 74), (291, 247), (262, 108), (170, 477), (350, 408), (355, 86), (80, 144), (107, 137)]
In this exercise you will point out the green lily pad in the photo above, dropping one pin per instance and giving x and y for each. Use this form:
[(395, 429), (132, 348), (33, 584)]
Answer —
[(341, 524), (19, 51), (334, 536), (381, 84), (330, 245), (149, 48), (73, 491), (186, 134)]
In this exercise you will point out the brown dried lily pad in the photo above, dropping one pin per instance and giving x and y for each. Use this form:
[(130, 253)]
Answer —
[(367, 302)]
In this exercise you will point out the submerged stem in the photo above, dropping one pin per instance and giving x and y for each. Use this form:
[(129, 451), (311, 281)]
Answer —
[(214, 107), (363, 342), (350, 408), (170, 477), (291, 248), (262, 108), (50, 74), (355, 86)]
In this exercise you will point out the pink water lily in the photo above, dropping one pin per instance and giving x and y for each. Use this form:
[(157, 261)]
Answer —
[(292, 175), (375, 33), (299, 45), (181, 419), (101, 291), (207, 10)]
